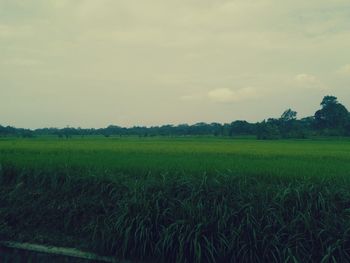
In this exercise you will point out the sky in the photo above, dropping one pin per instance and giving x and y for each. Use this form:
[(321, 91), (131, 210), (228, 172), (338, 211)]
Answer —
[(91, 63)]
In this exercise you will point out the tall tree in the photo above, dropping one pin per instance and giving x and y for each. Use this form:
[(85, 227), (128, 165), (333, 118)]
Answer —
[(288, 115), (332, 115)]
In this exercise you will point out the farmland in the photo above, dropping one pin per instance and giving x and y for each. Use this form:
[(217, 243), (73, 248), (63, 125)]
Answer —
[(137, 156), (180, 199)]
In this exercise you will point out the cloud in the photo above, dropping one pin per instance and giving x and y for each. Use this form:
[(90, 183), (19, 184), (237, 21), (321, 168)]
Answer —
[(344, 70), (226, 95), (10, 31), (309, 81), (23, 62), (305, 78), (128, 55), (193, 97)]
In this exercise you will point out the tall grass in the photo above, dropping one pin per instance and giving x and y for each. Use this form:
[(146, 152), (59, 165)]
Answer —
[(238, 214), (180, 219)]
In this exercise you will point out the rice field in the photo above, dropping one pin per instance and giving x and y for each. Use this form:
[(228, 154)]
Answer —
[(183, 199), (139, 156)]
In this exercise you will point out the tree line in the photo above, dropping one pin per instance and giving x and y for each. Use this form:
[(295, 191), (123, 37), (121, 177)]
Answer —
[(332, 119)]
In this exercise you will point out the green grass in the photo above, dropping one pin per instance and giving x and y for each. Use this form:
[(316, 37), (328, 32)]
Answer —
[(180, 199), (182, 155)]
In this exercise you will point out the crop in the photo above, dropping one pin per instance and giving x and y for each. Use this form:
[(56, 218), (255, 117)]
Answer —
[(180, 199)]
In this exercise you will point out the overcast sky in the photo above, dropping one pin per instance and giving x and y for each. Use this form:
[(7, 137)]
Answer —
[(91, 63)]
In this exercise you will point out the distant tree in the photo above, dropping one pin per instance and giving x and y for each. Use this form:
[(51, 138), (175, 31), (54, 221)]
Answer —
[(289, 115), (9, 131), (182, 129), (2, 131), (242, 128), (226, 129), (328, 100), (308, 121), (348, 127), (289, 126), (68, 132), (306, 125), (332, 117), (25, 133), (216, 129), (268, 130)]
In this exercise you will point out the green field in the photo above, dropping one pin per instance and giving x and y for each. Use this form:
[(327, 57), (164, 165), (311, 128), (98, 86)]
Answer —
[(180, 199), (138, 156)]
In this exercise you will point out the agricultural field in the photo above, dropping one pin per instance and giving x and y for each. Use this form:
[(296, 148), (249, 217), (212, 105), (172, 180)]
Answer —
[(190, 156), (181, 199)]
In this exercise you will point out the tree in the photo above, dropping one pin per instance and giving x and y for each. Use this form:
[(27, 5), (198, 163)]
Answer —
[(241, 128), (268, 130), (328, 100), (332, 116), (68, 132), (289, 126), (288, 115)]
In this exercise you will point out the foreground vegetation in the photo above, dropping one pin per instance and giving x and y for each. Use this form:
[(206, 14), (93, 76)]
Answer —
[(180, 199)]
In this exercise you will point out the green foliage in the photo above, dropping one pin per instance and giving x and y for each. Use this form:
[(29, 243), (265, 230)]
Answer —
[(332, 120), (180, 200), (288, 115), (242, 128), (333, 117), (290, 127), (11, 131), (268, 131)]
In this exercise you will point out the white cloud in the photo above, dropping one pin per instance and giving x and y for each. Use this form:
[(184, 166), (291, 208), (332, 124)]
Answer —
[(309, 81), (344, 70), (226, 95), (306, 78)]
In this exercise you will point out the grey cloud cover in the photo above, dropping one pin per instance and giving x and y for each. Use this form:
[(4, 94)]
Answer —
[(90, 63)]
